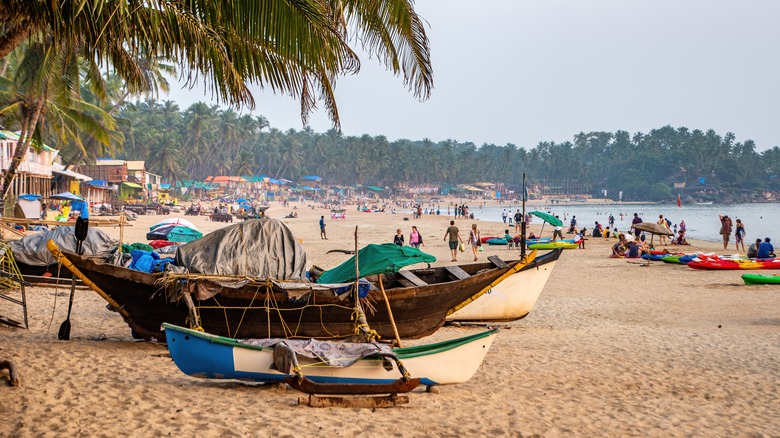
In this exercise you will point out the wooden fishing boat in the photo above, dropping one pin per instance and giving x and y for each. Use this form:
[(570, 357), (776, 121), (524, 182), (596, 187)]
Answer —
[(760, 279), (205, 355), (246, 307), (513, 298)]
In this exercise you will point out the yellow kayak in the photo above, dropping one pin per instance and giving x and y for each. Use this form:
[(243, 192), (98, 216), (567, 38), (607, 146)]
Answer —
[(554, 245)]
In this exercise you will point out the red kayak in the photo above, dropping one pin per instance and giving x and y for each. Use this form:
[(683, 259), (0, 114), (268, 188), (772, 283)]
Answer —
[(485, 239), (714, 263)]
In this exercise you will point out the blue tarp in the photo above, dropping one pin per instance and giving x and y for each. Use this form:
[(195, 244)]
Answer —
[(28, 197), (82, 207), (312, 178), (149, 262)]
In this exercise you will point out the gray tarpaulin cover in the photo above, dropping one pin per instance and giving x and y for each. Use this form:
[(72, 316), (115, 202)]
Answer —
[(263, 248), (32, 249)]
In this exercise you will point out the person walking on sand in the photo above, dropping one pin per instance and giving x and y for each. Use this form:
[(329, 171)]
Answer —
[(474, 240), (739, 235), (322, 228), (504, 215), (398, 239), (415, 238), (453, 237), (726, 227)]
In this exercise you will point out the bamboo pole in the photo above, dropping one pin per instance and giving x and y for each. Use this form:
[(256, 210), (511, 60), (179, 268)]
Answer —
[(390, 312), (68, 264), (121, 230)]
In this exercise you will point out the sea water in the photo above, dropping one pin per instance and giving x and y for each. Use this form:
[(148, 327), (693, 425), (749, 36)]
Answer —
[(702, 221)]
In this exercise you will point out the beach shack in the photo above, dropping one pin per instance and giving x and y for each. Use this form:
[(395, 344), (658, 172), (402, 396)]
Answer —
[(35, 171)]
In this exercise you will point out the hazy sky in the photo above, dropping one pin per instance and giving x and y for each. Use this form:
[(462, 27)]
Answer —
[(525, 71)]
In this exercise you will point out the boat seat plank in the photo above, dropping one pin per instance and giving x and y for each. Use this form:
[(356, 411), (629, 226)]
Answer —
[(411, 278), (498, 262), (457, 272)]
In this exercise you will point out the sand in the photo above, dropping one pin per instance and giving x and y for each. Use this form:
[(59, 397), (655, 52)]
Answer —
[(612, 349)]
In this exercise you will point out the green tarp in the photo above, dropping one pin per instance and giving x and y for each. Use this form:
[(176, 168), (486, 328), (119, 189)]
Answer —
[(386, 258)]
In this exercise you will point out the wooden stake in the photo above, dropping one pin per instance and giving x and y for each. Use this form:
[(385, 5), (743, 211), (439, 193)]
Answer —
[(390, 312), (121, 229), (13, 372)]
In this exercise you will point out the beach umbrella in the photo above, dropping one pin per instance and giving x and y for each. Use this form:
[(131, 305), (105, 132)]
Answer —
[(547, 218), (174, 221), (174, 233), (66, 196), (653, 229), (387, 258)]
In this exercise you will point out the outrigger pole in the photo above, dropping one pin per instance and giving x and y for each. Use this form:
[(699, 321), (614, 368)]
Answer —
[(522, 225)]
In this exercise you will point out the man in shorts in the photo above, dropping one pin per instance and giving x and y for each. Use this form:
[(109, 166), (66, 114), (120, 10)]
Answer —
[(557, 231), (518, 221), (453, 237)]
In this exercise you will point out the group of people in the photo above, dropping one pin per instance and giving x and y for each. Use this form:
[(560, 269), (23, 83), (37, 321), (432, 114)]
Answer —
[(452, 236), (629, 247), (462, 212)]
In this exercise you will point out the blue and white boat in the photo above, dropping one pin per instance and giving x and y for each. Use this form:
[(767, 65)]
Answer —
[(199, 354)]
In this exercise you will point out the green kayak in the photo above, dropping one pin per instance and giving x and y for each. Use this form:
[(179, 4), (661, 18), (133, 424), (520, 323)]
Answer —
[(671, 259), (760, 279)]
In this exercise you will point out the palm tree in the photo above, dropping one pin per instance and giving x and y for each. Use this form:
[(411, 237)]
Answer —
[(298, 47), (41, 92)]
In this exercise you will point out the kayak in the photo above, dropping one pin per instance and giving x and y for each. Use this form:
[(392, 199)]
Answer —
[(485, 239), (496, 241), (725, 264), (554, 245), (676, 259), (760, 279), (539, 240)]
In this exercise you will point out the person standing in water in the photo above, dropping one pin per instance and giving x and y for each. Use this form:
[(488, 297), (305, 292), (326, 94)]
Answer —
[(739, 235), (725, 229)]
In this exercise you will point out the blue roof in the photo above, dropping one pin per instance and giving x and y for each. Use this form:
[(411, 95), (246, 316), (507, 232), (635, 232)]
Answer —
[(312, 178)]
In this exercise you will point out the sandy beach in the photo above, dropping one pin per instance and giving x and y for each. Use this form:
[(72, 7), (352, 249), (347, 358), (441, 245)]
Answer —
[(612, 348)]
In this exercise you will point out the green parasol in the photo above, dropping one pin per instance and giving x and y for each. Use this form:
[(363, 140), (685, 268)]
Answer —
[(547, 217), (386, 258)]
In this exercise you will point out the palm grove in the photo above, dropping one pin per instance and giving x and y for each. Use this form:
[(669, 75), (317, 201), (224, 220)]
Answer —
[(70, 71), (205, 140)]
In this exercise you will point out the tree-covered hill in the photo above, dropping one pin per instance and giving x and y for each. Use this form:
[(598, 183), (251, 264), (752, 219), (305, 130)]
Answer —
[(205, 140)]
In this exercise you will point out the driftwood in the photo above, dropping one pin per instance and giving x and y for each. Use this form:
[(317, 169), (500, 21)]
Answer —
[(13, 372)]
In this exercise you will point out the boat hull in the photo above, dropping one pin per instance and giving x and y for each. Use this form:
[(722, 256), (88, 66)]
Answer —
[(760, 279), (269, 310), (735, 264), (513, 298), (204, 355)]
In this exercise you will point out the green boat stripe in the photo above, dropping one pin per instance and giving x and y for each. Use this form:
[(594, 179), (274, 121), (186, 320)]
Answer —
[(402, 353)]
